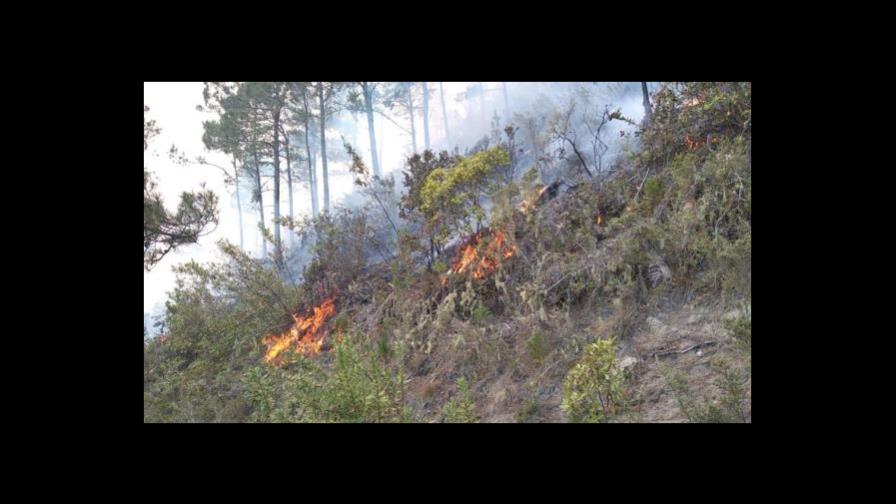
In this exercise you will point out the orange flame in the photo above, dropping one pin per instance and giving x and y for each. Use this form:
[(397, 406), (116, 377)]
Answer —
[(482, 263), (692, 144), (302, 334), (528, 203)]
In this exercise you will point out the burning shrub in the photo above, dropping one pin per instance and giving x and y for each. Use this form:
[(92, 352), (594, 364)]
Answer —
[(693, 116), (710, 228), (482, 254), (305, 334)]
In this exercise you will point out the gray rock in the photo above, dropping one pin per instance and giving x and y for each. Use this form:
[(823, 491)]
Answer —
[(654, 323), (627, 362)]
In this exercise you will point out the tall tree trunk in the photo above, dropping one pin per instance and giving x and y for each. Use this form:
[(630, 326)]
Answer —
[(312, 176), (482, 102), (264, 241), (381, 143), (292, 240), (411, 113), (647, 110), (239, 206), (323, 144), (445, 115), (368, 107), (316, 185), (425, 115), (278, 252), (506, 103)]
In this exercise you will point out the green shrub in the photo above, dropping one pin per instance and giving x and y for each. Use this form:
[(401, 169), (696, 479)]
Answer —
[(741, 329), (258, 388), (537, 347), (527, 410), (730, 407), (481, 314), (358, 387), (592, 390), (460, 409), (653, 193)]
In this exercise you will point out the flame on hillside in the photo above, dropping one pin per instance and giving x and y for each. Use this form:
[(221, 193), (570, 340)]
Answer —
[(304, 335), (528, 203), (479, 261)]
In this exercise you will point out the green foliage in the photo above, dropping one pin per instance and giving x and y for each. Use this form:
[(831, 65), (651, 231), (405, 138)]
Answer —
[(693, 213), (164, 231), (592, 390), (537, 347), (215, 317), (729, 407), (529, 408), (692, 116), (710, 229), (741, 329), (481, 314), (460, 409), (359, 387), (451, 195), (653, 193), (344, 239), (258, 388)]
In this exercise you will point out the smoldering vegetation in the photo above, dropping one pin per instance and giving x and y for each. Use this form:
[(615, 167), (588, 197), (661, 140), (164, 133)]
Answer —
[(541, 252)]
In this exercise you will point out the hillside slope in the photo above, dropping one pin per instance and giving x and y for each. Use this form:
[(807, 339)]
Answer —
[(620, 298)]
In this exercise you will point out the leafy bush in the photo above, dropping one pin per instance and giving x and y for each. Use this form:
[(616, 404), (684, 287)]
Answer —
[(653, 193), (451, 197), (537, 347), (592, 390), (460, 409), (710, 228), (258, 388), (741, 329), (730, 407), (358, 388)]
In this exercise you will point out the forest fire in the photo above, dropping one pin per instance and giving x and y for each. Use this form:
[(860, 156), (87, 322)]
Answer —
[(691, 143), (532, 200), (696, 143), (303, 334), (482, 262)]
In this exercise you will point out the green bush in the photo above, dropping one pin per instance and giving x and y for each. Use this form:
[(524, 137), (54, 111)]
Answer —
[(741, 329), (537, 347), (258, 389), (730, 407), (592, 390), (358, 388), (481, 314), (653, 193), (460, 409)]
